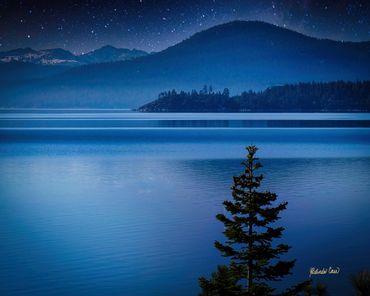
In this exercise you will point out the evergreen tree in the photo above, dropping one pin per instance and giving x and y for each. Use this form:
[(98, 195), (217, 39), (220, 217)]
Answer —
[(223, 282), (319, 290), (226, 92), (361, 283), (249, 238)]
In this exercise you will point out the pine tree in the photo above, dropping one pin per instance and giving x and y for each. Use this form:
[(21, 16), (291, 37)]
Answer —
[(226, 92), (249, 238), (361, 283), (223, 282), (319, 290)]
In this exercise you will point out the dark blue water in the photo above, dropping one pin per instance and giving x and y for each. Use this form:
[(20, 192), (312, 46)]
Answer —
[(130, 211)]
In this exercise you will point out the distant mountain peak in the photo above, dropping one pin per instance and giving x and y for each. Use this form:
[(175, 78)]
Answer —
[(249, 28), (60, 56), (17, 51), (104, 48), (107, 47), (57, 49), (109, 53)]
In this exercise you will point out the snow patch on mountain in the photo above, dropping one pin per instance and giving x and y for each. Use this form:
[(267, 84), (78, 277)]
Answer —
[(59, 56)]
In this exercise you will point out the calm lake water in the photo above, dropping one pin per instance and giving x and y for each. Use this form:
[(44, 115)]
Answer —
[(122, 203)]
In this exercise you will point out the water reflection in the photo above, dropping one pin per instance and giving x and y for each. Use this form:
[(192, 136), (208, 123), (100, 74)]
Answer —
[(131, 212)]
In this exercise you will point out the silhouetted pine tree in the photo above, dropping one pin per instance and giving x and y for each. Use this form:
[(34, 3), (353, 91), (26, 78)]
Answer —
[(226, 92), (361, 283), (249, 239), (319, 290)]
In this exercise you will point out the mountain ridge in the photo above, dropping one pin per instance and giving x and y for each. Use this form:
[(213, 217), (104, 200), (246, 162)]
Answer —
[(60, 56), (240, 54)]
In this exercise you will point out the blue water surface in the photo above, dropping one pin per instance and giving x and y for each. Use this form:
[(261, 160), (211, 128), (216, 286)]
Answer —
[(101, 210)]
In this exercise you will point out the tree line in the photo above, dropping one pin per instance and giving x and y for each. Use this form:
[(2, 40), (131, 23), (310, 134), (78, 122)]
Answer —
[(338, 96)]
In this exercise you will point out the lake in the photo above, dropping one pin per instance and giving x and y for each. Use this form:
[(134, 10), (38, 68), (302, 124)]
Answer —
[(113, 202)]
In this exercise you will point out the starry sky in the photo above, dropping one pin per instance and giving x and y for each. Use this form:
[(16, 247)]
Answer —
[(153, 25)]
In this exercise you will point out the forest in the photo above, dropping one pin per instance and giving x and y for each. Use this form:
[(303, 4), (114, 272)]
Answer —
[(338, 96)]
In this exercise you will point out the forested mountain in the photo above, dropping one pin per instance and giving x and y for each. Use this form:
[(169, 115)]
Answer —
[(336, 96), (241, 54)]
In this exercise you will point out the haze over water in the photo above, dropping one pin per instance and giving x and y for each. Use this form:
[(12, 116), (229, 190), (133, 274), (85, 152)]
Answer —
[(95, 203)]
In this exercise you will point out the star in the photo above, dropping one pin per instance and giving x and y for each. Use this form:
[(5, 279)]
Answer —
[(175, 21)]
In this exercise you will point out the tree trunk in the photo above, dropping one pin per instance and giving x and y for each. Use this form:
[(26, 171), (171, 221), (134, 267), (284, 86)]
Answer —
[(250, 272)]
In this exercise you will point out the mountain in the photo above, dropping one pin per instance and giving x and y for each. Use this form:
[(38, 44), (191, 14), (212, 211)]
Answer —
[(17, 53), (56, 56), (241, 55), (111, 54), (59, 56), (29, 64)]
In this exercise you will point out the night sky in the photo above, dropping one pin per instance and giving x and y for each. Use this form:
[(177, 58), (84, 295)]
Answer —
[(81, 26)]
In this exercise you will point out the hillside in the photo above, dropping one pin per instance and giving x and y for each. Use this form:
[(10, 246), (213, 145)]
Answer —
[(242, 55)]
